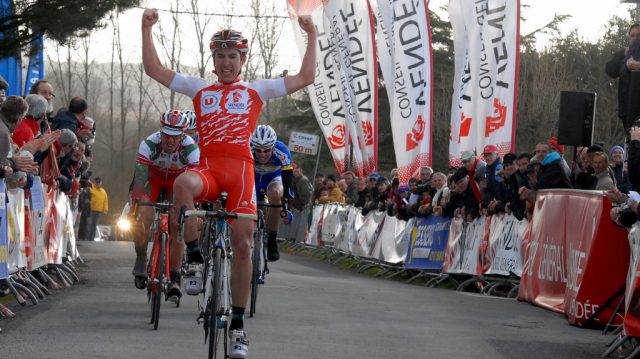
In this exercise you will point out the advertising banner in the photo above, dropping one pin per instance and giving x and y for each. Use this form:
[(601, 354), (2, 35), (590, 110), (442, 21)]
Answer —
[(486, 47), (463, 254), (15, 229), (325, 94), (503, 255), (405, 55), (4, 239), (428, 242), (576, 258)]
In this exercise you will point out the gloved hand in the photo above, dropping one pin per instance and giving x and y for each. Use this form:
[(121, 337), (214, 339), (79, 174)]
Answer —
[(287, 216)]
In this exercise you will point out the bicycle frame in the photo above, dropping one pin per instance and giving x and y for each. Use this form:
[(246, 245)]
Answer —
[(160, 230)]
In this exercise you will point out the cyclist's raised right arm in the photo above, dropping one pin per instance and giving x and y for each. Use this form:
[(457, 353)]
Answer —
[(153, 67)]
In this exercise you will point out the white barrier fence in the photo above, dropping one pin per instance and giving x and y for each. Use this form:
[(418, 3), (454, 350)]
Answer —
[(39, 230)]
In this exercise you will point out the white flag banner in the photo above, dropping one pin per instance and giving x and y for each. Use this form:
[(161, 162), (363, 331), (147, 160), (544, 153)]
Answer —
[(405, 55), (486, 46), (325, 95), (351, 38)]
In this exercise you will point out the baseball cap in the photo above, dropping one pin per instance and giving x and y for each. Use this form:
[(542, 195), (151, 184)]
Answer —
[(382, 180), (509, 158), (374, 176), (489, 149), (459, 174), (467, 156)]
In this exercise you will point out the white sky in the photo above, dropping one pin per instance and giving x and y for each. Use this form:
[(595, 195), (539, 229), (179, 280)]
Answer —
[(588, 16)]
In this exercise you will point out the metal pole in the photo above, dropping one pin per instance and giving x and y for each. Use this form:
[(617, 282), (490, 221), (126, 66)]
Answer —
[(315, 172)]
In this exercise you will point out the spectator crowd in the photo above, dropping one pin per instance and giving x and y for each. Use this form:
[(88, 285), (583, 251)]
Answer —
[(36, 145)]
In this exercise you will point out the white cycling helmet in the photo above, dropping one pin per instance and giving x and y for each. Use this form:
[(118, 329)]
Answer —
[(264, 137), (191, 117), (173, 123)]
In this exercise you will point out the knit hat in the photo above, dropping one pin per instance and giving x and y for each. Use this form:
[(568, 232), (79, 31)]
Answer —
[(617, 148)]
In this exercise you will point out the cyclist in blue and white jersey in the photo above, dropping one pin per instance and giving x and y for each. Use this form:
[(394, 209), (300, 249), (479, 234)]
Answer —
[(274, 176)]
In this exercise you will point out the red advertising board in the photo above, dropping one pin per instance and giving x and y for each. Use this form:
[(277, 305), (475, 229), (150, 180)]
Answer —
[(575, 257)]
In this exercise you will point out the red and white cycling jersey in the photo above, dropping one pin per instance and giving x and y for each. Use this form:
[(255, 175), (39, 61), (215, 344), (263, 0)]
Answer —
[(227, 113), (164, 165)]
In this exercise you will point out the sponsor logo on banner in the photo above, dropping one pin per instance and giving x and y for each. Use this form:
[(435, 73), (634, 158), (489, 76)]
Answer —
[(486, 48), (428, 243), (403, 32), (416, 135), (210, 102), (337, 138)]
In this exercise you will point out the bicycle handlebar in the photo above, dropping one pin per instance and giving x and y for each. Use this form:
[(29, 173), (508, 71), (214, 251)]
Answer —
[(158, 205), (219, 214), (269, 205)]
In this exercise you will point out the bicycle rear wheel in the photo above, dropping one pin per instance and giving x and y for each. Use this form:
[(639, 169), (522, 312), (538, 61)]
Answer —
[(255, 276), (156, 289), (216, 327)]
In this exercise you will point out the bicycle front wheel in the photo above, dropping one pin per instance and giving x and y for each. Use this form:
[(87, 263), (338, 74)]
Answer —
[(216, 325), (156, 289), (255, 275)]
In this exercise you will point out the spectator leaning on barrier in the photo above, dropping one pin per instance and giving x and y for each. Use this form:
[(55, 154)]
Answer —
[(84, 208), (44, 89), (551, 175), (619, 171), (493, 170), (318, 182), (523, 162), (12, 111), (602, 172), (463, 200), (70, 118), (335, 194), (99, 205), (303, 190), (29, 134), (475, 166), (425, 174), (351, 194), (439, 183), (383, 187), (342, 184), (554, 146), (363, 191), (510, 201)]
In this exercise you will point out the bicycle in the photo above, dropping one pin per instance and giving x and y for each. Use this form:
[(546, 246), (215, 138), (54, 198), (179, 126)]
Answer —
[(214, 242), (158, 276), (260, 267)]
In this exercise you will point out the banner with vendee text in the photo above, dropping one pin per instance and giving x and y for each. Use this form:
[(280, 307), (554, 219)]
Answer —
[(428, 242), (351, 37), (463, 254), (576, 258), (486, 47), (405, 55), (325, 93)]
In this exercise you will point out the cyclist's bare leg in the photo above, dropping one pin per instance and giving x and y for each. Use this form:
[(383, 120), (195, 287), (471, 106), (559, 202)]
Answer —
[(177, 252), (185, 188), (274, 194), (141, 228), (241, 242)]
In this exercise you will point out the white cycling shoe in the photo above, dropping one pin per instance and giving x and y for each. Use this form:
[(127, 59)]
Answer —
[(238, 344)]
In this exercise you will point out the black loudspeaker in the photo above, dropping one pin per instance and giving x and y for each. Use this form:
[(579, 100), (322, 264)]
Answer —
[(577, 118), (634, 99)]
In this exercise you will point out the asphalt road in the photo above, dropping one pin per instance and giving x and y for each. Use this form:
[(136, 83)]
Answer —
[(307, 309)]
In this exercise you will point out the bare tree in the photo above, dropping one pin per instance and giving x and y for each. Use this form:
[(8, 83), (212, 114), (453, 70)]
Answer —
[(172, 48), (87, 65), (201, 32), (125, 101), (268, 30)]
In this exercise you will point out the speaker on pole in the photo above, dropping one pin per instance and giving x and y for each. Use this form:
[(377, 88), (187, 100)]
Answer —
[(577, 118)]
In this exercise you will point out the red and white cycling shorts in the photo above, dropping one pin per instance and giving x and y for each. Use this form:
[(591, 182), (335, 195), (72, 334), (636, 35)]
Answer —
[(232, 175)]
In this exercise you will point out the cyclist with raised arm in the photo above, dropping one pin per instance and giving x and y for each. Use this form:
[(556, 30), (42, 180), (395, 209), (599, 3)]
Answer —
[(161, 158), (192, 128), (227, 112), (274, 177)]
